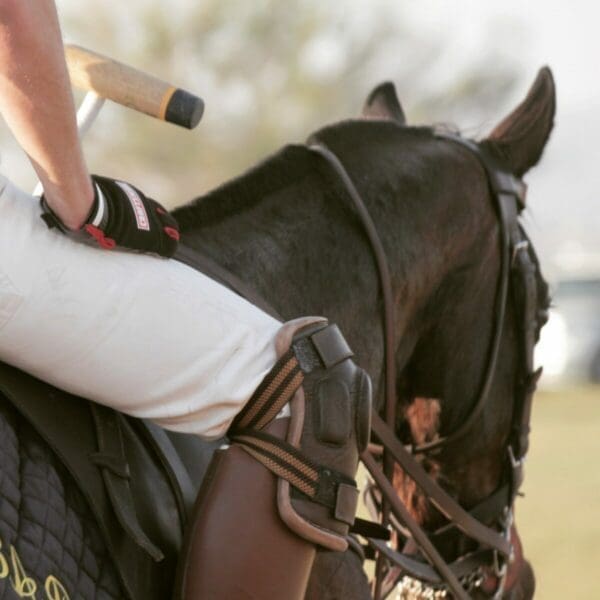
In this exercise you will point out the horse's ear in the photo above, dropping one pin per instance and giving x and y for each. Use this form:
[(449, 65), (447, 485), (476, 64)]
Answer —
[(520, 138), (383, 103)]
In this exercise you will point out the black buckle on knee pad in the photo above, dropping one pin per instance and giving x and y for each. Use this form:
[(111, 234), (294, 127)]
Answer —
[(321, 347)]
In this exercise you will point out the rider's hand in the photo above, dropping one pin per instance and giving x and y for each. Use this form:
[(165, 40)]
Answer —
[(123, 217)]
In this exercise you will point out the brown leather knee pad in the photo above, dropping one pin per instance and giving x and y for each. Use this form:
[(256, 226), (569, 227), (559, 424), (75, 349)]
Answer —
[(330, 424), (237, 546), (330, 404)]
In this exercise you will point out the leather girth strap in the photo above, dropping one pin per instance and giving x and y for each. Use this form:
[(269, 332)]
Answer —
[(112, 462)]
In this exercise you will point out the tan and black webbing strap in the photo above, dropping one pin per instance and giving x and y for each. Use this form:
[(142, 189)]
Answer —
[(274, 392), (317, 482)]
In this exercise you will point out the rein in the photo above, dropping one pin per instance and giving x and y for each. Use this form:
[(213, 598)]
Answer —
[(435, 578), (509, 196)]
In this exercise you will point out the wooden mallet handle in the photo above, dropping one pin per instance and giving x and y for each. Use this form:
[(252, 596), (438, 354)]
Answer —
[(133, 88)]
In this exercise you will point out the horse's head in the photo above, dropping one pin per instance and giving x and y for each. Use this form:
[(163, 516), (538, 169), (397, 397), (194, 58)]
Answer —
[(446, 302), (431, 202)]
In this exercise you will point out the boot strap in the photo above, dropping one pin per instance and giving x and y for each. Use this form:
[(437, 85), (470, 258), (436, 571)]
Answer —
[(320, 484)]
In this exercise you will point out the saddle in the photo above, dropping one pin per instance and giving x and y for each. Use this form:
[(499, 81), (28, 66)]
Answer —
[(139, 480)]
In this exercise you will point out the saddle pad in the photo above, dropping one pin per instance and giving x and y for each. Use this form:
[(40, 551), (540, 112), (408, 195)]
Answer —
[(51, 547)]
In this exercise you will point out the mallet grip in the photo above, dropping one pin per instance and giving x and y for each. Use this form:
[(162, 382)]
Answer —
[(133, 88)]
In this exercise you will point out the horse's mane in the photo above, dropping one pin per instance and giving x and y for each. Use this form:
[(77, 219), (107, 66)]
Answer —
[(287, 165), (242, 192)]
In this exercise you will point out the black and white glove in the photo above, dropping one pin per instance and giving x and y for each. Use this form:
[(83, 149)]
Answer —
[(122, 217)]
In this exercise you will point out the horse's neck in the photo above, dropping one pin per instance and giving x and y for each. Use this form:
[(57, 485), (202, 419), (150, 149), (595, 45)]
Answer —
[(288, 229), (301, 249)]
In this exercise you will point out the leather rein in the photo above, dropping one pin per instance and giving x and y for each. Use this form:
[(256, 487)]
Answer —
[(436, 576), (427, 574)]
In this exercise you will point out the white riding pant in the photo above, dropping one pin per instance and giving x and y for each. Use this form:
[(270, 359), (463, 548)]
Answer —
[(147, 336)]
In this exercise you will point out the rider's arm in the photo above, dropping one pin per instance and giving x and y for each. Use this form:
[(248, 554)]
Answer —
[(37, 103)]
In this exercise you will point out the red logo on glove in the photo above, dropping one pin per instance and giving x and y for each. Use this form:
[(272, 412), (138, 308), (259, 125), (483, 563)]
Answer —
[(98, 235)]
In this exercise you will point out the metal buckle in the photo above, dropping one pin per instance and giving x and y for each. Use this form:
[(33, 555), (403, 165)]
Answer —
[(518, 247), (515, 463), (501, 575), (500, 566), (410, 588)]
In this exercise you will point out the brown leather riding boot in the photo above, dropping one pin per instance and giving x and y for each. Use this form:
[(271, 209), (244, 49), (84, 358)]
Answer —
[(285, 485), (237, 545)]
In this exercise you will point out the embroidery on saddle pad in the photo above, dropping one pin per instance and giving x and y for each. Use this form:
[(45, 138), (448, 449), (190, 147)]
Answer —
[(11, 568)]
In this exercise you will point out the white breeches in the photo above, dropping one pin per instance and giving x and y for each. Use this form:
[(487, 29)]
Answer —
[(148, 336)]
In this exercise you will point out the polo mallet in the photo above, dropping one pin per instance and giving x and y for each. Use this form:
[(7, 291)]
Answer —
[(104, 78)]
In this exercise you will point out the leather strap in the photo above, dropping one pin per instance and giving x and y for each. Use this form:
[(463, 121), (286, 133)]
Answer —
[(51, 413), (490, 510), (415, 529), (388, 326), (441, 499), (508, 195), (181, 482), (524, 280), (370, 529), (462, 567), (112, 462), (385, 282)]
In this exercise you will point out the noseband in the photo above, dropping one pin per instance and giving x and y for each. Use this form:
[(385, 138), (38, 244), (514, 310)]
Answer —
[(426, 574)]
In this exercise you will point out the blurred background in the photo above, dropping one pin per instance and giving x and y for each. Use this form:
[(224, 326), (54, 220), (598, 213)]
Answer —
[(271, 72)]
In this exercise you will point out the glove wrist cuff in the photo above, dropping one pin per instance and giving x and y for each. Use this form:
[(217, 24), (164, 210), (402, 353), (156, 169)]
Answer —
[(98, 213), (98, 216)]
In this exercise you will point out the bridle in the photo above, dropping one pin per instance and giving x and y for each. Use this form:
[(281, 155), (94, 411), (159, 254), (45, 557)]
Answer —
[(490, 522), (426, 574)]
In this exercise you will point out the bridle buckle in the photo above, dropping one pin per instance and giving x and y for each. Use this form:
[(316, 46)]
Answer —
[(521, 246), (515, 463)]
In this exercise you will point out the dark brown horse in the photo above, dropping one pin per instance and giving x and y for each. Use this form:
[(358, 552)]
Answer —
[(303, 248), (286, 227)]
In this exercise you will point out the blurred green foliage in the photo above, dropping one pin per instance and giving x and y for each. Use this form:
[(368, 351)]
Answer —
[(270, 73)]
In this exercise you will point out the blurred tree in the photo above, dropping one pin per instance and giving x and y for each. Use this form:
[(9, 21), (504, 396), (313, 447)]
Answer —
[(270, 72)]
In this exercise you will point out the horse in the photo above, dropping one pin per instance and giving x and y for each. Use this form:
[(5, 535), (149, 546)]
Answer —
[(286, 228)]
